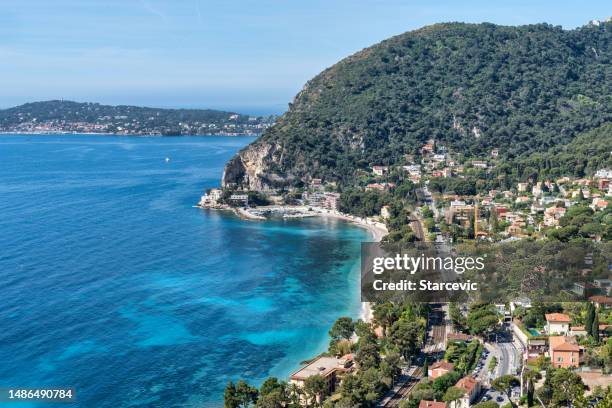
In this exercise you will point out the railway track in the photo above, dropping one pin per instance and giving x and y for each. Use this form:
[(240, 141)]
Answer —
[(436, 341), (405, 390)]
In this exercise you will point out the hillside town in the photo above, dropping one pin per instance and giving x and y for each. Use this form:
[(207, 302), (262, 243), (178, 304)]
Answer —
[(516, 353), (122, 125)]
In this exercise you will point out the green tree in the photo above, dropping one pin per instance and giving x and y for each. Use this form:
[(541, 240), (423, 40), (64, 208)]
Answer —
[(270, 385), (457, 318), (425, 367), (482, 318), (230, 397), (589, 318), (595, 328), (294, 393), (453, 394), (444, 382), (314, 390), (530, 392), (368, 354), (343, 328), (384, 314), (393, 359), (505, 384), (405, 335), (274, 399), (494, 221), (246, 394), (566, 386), (273, 394)]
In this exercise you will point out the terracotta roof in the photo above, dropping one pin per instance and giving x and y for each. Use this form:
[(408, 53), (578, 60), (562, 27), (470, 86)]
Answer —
[(601, 299), (444, 365), (558, 318), (432, 404), (563, 343), (467, 383)]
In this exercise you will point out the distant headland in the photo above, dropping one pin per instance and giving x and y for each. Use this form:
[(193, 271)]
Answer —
[(60, 116)]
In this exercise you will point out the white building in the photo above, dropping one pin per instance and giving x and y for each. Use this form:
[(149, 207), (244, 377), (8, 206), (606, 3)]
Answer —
[(380, 170), (240, 198), (557, 323)]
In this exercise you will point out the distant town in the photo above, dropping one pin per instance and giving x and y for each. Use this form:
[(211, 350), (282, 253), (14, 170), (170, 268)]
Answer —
[(73, 117)]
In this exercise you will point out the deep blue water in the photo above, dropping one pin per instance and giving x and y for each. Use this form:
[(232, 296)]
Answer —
[(112, 283)]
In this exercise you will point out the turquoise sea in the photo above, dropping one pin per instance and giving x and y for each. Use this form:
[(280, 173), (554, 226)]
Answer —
[(113, 284)]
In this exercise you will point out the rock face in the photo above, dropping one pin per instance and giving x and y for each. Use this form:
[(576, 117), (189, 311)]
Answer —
[(471, 87), (249, 169)]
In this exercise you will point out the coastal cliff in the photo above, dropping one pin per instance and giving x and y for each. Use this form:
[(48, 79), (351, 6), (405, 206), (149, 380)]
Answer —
[(471, 87), (251, 169)]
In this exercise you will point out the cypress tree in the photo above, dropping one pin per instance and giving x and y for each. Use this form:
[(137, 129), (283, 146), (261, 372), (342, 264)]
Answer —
[(425, 367), (530, 391), (493, 221), (595, 328), (590, 316)]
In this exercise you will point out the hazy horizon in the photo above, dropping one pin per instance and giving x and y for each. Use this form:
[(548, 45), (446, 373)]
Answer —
[(249, 57)]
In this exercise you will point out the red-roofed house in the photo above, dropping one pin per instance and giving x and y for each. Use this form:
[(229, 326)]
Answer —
[(432, 404), (439, 368), (564, 351), (601, 301), (472, 390), (557, 323)]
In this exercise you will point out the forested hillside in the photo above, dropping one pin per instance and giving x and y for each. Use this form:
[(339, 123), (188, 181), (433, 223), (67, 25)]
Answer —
[(473, 87)]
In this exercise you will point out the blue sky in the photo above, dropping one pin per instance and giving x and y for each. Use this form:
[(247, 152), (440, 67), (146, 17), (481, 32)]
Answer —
[(246, 55)]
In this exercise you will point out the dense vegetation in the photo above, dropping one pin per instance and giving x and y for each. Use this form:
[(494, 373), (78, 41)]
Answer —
[(524, 90), (584, 155)]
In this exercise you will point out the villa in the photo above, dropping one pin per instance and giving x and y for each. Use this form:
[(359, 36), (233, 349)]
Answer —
[(472, 390), (380, 170), (604, 302), (326, 367), (557, 323), (439, 369), (564, 351)]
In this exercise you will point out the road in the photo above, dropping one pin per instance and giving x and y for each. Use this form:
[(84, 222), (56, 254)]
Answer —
[(508, 354)]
